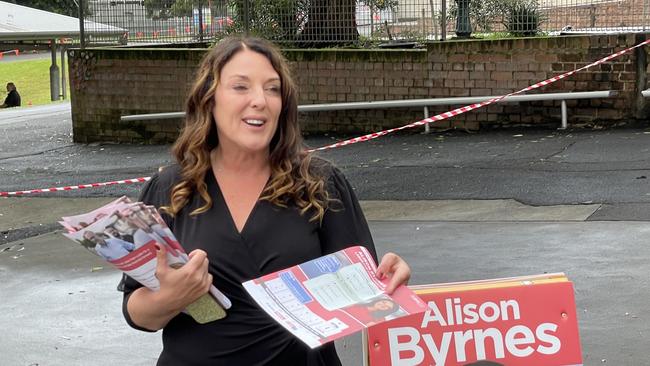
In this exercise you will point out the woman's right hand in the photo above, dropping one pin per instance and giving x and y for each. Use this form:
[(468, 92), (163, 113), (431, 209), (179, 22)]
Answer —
[(181, 287)]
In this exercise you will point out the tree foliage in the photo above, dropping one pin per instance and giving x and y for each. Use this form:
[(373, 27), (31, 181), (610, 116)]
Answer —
[(64, 7), (165, 9), (381, 4), (278, 19)]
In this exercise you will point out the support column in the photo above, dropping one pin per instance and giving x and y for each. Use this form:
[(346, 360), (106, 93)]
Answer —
[(200, 21), (54, 74), (82, 31), (641, 57)]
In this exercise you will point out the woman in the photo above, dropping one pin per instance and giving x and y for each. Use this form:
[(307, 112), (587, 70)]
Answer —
[(13, 98), (245, 199), (374, 311)]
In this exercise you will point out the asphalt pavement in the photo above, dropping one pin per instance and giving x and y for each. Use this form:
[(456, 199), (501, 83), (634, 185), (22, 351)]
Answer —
[(456, 206)]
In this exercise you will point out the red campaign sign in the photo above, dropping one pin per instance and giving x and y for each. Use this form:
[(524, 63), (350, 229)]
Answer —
[(526, 325)]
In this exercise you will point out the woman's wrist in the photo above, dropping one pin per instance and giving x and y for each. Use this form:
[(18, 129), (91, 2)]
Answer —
[(151, 309), (167, 303)]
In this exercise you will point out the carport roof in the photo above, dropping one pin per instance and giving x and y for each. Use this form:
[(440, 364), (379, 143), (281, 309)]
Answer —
[(21, 23)]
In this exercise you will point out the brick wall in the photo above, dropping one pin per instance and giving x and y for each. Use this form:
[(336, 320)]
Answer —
[(499, 67), (358, 76), (107, 83)]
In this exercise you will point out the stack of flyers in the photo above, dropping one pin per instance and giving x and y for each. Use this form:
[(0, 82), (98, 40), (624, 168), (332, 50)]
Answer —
[(126, 234)]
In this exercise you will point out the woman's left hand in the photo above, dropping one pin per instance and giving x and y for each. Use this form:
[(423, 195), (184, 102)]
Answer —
[(393, 266)]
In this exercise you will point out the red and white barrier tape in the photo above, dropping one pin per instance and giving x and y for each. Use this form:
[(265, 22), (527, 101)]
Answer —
[(374, 135), (72, 188)]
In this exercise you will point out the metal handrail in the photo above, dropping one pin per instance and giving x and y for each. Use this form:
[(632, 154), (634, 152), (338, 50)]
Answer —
[(417, 103)]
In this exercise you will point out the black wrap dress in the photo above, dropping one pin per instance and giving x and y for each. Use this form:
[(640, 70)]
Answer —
[(273, 238)]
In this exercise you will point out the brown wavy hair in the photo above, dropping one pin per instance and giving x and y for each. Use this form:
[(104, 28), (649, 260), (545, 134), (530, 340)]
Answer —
[(294, 177)]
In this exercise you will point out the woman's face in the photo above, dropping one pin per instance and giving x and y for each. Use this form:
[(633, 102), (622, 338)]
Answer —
[(248, 101), (383, 305)]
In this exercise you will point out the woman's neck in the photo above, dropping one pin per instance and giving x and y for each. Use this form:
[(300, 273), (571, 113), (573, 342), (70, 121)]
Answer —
[(239, 162)]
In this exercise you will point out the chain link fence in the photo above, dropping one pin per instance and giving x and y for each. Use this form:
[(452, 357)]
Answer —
[(365, 23)]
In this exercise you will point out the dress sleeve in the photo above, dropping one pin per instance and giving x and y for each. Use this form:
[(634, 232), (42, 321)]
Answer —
[(344, 224), (151, 194)]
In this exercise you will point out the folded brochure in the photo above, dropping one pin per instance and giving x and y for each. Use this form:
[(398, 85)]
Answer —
[(125, 234), (332, 296)]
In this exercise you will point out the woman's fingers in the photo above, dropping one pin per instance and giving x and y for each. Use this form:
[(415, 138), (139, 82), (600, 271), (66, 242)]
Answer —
[(197, 256), (161, 262), (386, 264), (400, 276), (180, 286), (191, 277), (197, 269), (207, 283), (396, 269)]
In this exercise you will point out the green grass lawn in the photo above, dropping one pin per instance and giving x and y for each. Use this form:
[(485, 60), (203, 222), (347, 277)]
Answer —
[(32, 79)]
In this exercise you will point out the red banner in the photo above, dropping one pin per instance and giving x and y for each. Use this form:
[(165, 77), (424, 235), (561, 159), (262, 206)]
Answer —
[(524, 325)]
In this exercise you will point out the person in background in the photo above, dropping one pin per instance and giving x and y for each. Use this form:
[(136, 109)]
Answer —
[(13, 98), (244, 199)]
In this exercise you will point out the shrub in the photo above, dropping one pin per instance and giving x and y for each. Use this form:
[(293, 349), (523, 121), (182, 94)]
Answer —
[(483, 14), (523, 18)]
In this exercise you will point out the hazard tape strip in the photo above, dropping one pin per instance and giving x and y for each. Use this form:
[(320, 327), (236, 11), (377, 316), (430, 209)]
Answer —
[(370, 136), (72, 188)]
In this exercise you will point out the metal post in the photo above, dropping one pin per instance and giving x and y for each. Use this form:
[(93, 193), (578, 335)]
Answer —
[(54, 74), (641, 56), (427, 129), (211, 20), (247, 26), (564, 115), (645, 13), (200, 21), (364, 347), (82, 31), (63, 82), (443, 21), (372, 19), (433, 20), (424, 25)]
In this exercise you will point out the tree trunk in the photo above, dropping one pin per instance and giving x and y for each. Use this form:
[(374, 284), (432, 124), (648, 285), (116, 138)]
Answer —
[(330, 23)]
